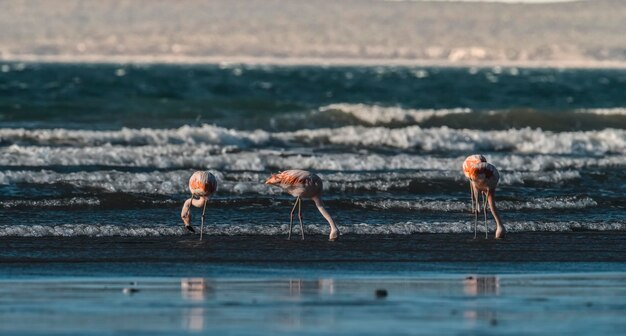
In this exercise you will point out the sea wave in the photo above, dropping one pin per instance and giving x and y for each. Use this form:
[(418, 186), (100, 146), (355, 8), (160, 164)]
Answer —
[(399, 228), (177, 157), (540, 203), (380, 115), (345, 114), (616, 111), (185, 136), (237, 183), (414, 138), (70, 202), (114, 201)]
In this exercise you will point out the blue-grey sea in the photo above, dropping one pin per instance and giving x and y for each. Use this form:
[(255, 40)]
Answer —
[(95, 159)]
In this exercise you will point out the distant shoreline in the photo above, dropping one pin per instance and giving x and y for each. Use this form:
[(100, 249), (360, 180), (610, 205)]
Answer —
[(305, 61)]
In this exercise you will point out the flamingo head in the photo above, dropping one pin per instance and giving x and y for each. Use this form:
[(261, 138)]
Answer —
[(186, 218), (274, 179)]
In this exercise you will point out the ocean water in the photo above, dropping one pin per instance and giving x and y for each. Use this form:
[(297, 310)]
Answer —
[(95, 159), (103, 150)]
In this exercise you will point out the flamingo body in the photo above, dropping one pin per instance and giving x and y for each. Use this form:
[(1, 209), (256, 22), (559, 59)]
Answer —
[(202, 184), (470, 161), (298, 183), (467, 165), (303, 184), (484, 178)]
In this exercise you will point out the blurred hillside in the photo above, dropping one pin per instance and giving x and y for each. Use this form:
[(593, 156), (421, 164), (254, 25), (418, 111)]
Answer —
[(584, 32)]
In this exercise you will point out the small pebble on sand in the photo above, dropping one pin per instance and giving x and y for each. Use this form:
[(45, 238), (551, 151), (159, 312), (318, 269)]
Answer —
[(130, 291)]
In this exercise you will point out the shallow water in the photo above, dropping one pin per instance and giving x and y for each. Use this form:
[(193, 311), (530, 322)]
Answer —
[(572, 304), (532, 284)]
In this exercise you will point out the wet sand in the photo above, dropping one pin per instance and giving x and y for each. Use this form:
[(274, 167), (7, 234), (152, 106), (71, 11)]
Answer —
[(533, 283), (360, 255)]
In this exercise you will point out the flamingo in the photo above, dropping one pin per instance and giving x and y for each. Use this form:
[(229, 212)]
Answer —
[(203, 185), (467, 164), (303, 184), (485, 177)]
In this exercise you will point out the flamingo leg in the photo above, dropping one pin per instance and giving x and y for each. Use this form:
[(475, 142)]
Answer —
[(300, 217), (291, 218), (475, 210), (203, 211), (472, 195), (485, 211)]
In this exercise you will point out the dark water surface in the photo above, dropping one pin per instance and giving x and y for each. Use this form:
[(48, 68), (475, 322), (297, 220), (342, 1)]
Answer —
[(106, 150), (274, 256)]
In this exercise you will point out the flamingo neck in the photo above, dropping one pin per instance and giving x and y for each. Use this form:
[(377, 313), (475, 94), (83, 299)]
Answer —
[(184, 214), (199, 203), (320, 207)]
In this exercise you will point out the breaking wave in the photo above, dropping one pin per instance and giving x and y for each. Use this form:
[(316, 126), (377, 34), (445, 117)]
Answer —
[(237, 183), (618, 111), (209, 139), (548, 203), (51, 203), (375, 115), (401, 228), (345, 114)]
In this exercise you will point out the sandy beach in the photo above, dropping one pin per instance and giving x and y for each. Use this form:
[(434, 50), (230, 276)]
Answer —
[(526, 247)]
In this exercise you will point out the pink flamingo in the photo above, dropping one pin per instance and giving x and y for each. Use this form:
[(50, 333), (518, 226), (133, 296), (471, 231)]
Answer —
[(203, 185), (303, 184), (467, 164), (485, 177)]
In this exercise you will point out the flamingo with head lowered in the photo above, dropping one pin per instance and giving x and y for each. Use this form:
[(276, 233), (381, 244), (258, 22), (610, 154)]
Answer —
[(484, 177), (203, 185), (303, 184)]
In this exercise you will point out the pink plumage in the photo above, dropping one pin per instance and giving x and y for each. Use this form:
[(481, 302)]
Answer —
[(303, 184)]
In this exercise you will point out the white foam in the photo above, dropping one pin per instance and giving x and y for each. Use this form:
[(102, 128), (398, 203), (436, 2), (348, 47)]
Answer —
[(185, 135), (617, 111), (443, 139), (511, 178), (51, 203), (444, 206), (401, 228), (172, 157), (539, 203), (72, 230), (439, 139), (175, 182), (381, 115), (159, 183)]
